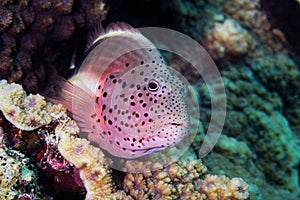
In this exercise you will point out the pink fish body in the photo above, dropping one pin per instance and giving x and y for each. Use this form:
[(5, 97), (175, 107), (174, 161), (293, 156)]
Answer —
[(124, 97)]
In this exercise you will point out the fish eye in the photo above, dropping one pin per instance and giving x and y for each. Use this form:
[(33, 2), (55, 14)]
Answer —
[(153, 86)]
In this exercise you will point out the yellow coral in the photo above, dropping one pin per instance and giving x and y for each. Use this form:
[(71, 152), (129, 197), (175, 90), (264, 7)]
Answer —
[(13, 171), (252, 16), (25, 112), (222, 188), (88, 159), (152, 181), (228, 39)]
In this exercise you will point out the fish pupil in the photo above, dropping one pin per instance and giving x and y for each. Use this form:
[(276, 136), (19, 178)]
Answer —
[(153, 86)]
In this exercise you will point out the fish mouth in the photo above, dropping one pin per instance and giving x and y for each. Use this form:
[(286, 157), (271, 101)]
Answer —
[(181, 124)]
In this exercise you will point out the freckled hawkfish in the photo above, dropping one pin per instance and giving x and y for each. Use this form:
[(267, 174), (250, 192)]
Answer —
[(124, 96)]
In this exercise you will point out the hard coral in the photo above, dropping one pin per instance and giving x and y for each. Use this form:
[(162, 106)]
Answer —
[(228, 39), (264, 142), (221, 187), (25, 112), (17, 180), (6, 18), (63, 149), (180, 179), (28, 29), (251, 15)]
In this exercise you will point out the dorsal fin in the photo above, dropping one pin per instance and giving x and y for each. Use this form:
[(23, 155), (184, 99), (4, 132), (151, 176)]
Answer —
[(93, 34), (99, 32)]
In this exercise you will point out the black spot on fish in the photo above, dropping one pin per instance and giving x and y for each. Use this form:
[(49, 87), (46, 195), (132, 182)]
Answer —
[(132, 85), (132, 103), (97, 100), (93, 115), (127, 64), (124, 85), (142, 62), (104, 94)]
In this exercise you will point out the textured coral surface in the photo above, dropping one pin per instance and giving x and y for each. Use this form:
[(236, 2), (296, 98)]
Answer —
[(75, 162), (253, 42), (37, 36)]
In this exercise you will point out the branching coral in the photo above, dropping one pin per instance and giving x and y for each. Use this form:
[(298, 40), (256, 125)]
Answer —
[(180, 179), (177, 179)]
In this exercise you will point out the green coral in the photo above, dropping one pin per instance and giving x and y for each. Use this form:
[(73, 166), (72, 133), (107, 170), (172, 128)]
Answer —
[(259, 144), (16, 178), (280, 73)]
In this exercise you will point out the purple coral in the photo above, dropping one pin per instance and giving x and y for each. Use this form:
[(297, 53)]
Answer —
[(33, 33)]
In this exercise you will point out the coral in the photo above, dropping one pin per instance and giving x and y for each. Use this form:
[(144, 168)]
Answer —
[(34, 32), (221, 187), (180, 179), (257, 133), (6, 19), (281, 74), (65, 155), (285, 19), (251, 15), (58, 175), (227, 39), (17, 180), (25, 112), (88, 159), (177, 179)]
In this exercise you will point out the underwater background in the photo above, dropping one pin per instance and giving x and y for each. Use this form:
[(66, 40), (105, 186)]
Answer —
[(255, 45)]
